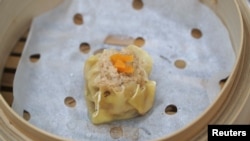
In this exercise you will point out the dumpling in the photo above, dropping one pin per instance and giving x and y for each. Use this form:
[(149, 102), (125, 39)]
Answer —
[(117, 84)]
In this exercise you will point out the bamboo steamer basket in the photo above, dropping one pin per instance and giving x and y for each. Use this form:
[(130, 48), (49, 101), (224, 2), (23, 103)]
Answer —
[(231, 106)]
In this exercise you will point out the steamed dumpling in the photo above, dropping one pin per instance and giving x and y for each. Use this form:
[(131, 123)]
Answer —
[(117, 84)]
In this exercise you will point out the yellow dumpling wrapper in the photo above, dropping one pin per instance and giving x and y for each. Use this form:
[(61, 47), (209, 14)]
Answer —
[(113, 95)]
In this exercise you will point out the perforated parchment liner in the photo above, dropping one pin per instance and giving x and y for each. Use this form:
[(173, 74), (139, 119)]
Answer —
[(187, 68)]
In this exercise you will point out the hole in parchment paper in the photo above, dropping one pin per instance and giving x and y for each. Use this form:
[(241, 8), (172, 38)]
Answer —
[(70, 101), (214, 1), (118, 40), (26, 115), (98, 51), (139, 41), (34, 58), (181, 64), (84, 47), (78, 19), (116, 132), (222, 82), (171, 109), (137, 4), (196, 33)]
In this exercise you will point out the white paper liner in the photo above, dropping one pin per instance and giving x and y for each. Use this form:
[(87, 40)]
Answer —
[(41, 87)]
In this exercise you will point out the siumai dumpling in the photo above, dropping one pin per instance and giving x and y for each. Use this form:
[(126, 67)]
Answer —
[(117, 84)]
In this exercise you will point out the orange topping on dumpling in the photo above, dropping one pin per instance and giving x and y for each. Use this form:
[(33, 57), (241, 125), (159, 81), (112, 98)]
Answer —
[(122, 62)]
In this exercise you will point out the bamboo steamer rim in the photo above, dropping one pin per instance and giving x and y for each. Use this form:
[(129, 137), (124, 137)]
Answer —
[(220, 112)]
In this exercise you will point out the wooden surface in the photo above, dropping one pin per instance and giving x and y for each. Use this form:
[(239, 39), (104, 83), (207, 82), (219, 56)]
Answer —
[(232, 107), (10, 69)]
